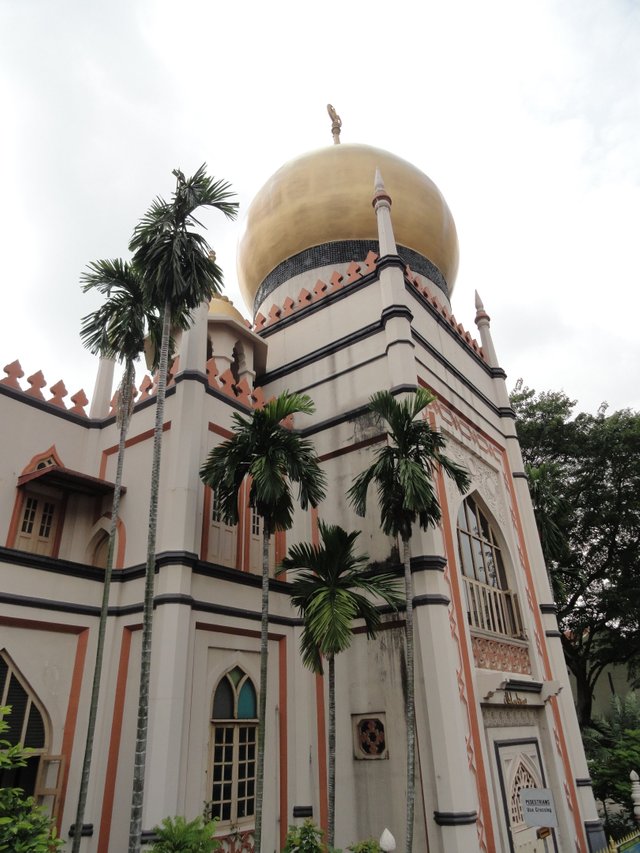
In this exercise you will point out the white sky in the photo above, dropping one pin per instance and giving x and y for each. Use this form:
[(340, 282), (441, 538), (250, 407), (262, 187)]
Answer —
[(526, 114)]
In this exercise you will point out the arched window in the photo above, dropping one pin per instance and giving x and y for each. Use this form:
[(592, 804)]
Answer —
[(26, 726), (234, 735), (491, 605)]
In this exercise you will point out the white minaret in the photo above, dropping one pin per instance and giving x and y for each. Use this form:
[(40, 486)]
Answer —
[(382, 206), (101, 400)]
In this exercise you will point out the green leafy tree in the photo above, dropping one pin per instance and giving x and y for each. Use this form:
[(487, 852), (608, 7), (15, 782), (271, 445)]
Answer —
[(403, 472), (584, 479), (331, 590), (116, 330), (612, 746), (24, 827), (177, 835), (178, 273), (272, 457)]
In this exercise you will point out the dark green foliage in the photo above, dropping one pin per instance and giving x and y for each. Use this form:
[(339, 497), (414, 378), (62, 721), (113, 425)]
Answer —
[(369, 845), (304, 839), (273, 456), (584, 478), (403, 470), (175, 259), (24, 827), (176, 835), (331, 590), (612, 747)]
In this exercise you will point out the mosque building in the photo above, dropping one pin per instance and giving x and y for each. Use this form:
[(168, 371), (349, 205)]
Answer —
[(348, 261)]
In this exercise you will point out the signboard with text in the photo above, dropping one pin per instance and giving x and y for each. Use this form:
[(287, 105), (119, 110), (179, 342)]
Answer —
[(538, 808)]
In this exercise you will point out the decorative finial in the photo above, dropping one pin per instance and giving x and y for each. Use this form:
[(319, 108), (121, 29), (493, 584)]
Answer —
[(378, 183), (336, 124), (479, 305)]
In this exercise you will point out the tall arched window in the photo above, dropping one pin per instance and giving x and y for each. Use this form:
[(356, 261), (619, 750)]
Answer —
[(491, 605), (26, 727), (234, 734)]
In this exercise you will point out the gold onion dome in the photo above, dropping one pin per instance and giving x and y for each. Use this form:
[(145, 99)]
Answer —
[(325, 196), (222, 306)]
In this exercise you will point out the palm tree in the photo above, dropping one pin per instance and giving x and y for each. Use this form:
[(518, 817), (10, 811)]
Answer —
[(403, 472), (115, 330), (179, 273), (273, 457), (330, 590)]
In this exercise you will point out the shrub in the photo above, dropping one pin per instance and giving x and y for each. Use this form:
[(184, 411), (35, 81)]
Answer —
[(176, 835), (304, 839), (370, 845), (24, 826)]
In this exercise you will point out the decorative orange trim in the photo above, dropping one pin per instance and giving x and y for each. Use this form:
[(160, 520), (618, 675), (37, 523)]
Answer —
[(218, 430), (136, 439), (284, 757), (72, 715), (280, 538), (322, 754), (45, 454), (114, 740), (236, 632), (444, 402), (38, 625), (481, 774), (16, 515), (367, 442), (560, 738)]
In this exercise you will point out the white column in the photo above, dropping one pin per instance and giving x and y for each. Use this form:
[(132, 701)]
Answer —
[(102, 391)]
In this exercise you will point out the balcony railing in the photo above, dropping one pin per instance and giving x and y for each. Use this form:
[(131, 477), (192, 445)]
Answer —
[(492, 609)]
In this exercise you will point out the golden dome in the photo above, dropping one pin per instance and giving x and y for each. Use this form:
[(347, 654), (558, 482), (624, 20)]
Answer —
[(325, 196), (222, 306)]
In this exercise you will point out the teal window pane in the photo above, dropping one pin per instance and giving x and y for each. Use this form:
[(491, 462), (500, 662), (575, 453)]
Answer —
[(247, 702)]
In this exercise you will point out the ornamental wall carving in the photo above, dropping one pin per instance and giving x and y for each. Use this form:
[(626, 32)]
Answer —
[(498, 717), (500, 655)]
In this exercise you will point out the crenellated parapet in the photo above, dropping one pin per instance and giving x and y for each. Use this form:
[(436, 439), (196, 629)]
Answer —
[(414, 280), (37, 384), (354, 273)]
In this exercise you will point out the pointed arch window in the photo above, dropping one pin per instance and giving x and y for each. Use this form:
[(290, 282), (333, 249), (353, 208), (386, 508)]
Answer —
[(491, 605), (26, 726), (234, 726)]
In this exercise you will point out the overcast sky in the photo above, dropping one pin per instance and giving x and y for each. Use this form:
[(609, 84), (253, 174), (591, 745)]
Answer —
[(525, 114)]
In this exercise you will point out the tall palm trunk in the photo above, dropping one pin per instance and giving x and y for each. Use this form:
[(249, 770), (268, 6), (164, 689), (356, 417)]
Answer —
[(410, 709), (124, 415), (137, 797), (331, 782), (262, 704)]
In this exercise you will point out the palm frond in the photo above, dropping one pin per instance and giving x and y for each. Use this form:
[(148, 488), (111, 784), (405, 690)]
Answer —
[(404, 469), (331, 591)]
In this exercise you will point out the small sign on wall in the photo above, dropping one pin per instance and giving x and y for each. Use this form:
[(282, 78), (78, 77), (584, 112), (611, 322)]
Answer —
[(538, 808)]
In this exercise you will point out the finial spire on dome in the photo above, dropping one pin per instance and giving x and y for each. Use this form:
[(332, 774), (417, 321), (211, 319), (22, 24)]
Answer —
[(336, 124), (382, 206)]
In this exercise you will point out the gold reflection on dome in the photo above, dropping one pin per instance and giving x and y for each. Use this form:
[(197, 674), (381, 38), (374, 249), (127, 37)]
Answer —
[(325, 195), (222, 306)]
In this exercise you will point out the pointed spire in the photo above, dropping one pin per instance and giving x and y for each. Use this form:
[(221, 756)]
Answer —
[(382, 206), (483, 322)]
